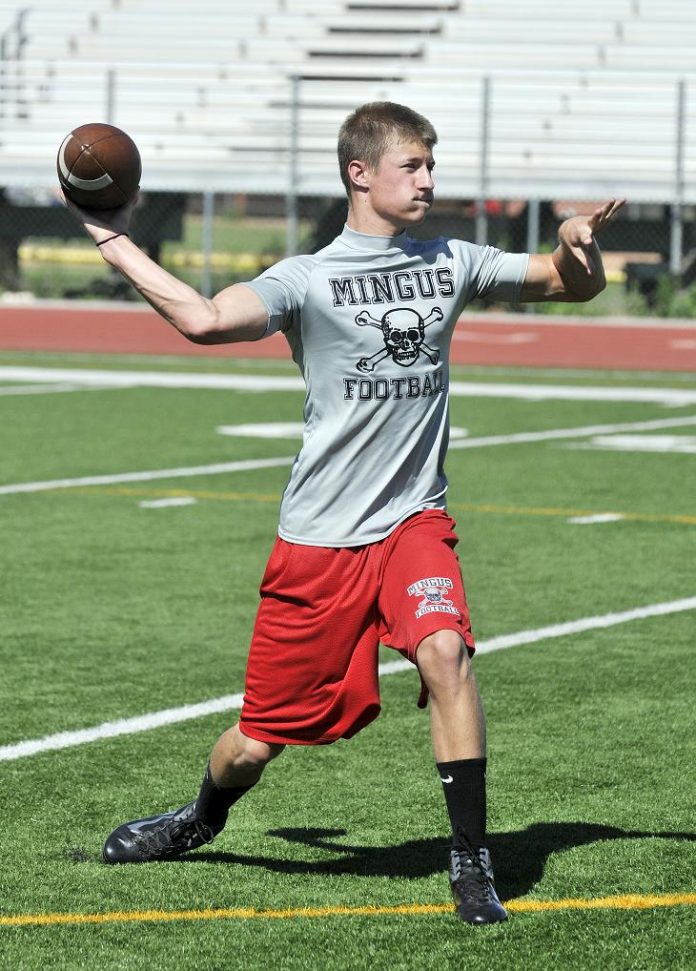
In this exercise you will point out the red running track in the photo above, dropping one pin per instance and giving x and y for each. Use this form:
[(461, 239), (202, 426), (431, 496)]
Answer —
[(516, 340)]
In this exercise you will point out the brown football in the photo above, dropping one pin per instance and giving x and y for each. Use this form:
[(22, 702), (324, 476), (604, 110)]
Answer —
[(99, 166)]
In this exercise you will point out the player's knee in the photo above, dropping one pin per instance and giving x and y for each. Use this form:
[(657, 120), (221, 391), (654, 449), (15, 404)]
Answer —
[(442, 658), (239, 752), (256, 754)]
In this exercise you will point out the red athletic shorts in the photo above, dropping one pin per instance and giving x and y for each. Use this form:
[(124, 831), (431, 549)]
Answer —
[(312, 671)]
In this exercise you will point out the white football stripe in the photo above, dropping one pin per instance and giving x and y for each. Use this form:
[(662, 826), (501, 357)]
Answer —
[(227, 703), (64, 170), (90, 184)]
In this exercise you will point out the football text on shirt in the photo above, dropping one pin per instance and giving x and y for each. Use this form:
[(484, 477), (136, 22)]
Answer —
[(391, 286), (415, 386)]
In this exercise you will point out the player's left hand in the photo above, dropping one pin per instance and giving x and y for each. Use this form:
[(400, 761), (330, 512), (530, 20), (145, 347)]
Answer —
[(578, 232)]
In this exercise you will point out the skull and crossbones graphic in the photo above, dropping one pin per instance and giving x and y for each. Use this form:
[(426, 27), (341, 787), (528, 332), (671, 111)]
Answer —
[(434, 596), (403, 332)]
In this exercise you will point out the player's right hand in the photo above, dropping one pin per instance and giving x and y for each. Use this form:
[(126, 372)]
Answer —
[(101, 223)]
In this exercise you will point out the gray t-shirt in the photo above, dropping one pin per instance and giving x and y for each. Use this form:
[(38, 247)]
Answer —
[(369, 321)]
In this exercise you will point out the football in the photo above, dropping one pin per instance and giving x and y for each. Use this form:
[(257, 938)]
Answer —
[(99, 166)]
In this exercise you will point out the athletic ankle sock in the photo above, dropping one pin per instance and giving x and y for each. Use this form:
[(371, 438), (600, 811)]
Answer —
[(464, 784), (214, 802)]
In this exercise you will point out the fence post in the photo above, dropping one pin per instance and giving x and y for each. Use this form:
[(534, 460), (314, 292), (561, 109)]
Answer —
[(3, 58), (207, 243), (676, 214), (481, 216), (110, 98), (533, 212), (292, 196)]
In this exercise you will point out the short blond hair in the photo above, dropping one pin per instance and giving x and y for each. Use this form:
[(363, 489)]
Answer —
[(372, 129)]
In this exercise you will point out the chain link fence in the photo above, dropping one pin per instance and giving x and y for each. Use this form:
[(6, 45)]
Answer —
[(226, 212), (215, 240)]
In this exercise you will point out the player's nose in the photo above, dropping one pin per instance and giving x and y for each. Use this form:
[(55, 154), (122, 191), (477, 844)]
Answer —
[(426, 180)]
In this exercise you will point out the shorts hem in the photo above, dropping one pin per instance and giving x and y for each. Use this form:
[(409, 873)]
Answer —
[(278, 738), (443, 624)]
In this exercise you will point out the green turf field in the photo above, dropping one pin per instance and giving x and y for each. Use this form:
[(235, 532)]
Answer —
[(114, 608)]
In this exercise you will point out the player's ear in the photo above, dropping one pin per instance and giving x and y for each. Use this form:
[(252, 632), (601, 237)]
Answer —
[(358, 173)]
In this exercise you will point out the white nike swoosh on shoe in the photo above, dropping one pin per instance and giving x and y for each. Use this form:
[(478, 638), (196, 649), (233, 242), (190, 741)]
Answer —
[(447, 780)]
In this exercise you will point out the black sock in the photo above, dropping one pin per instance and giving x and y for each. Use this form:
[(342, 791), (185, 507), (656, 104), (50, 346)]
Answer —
[(214, 802), (464, 783)]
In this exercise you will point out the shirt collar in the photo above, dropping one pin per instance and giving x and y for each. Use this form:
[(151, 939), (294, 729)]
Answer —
[(363, 241)]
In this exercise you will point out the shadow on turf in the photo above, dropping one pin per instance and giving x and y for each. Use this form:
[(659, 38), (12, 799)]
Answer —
[(519, 857)]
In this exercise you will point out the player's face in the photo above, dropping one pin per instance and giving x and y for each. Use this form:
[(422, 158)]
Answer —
[(402, 187)]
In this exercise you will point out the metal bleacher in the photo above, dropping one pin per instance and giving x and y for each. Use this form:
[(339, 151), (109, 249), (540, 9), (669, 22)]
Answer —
[(583, 100)]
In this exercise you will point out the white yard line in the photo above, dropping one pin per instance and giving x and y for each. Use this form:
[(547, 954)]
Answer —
[(30, 389), (672, 397), (124, 726), (251, 464), (246, 465), (90, 377), (583, 431), (171, 716)]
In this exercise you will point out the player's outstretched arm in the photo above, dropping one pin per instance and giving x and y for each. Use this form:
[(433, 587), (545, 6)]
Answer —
[(574, 272), (234, 314)]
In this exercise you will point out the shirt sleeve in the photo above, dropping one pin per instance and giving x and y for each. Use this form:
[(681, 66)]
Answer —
[(496, 273), (282, 289)]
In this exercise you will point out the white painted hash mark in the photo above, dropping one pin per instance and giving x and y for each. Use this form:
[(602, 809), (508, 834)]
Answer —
[(662, 444), (269, 429), (600, 517), (164, 503), (171, 716)]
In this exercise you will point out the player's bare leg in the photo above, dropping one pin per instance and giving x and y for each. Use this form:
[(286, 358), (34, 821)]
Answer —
[(458, 724), (237, 760), (236, 764), (459, 744)]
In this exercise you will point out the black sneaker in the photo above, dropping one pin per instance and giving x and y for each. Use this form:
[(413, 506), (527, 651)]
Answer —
[(471, 880), (158, 837)]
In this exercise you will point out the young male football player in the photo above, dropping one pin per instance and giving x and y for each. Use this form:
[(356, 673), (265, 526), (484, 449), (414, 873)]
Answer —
[(365, 551)]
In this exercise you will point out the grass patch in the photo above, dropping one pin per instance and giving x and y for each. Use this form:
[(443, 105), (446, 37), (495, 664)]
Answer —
[(111, 610)]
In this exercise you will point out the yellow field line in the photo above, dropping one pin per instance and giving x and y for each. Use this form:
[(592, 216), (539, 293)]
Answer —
[(624, 902), (552, 511), (464, 506)]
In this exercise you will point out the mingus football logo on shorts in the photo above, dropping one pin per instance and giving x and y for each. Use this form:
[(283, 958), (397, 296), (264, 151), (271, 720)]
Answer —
[(433, 590)]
